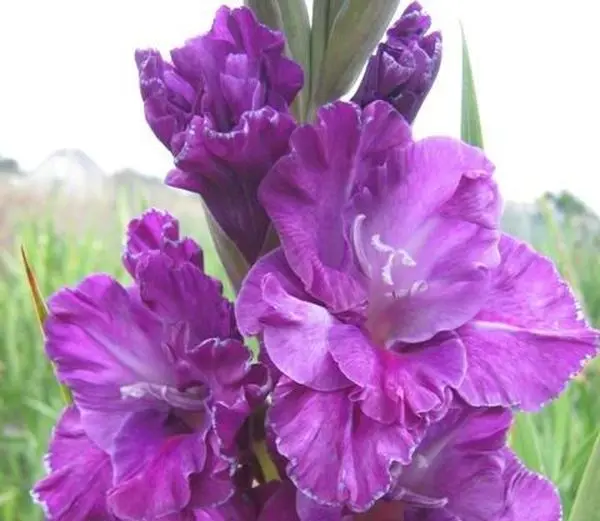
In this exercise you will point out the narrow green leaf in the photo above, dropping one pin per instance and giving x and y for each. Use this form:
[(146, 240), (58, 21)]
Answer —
[(586, 506), (233, 261), (333, 10), (525, 441), (560, 412), (470, 125), (576, 465), (321, 11), (291, 18), (296, 26), (41, 311), (357, 28)]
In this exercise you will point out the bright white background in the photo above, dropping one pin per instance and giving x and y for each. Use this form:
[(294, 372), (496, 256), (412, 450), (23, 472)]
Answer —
[(68, 79)]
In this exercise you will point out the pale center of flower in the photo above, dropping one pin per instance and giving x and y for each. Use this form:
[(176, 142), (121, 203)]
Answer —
[(187, 405), (394, 275)]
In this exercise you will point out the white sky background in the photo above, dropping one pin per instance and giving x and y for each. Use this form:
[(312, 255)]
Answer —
[(68, 79)]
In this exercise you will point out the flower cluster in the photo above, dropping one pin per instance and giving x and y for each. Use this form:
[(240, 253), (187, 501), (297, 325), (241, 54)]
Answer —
[(399, 328)]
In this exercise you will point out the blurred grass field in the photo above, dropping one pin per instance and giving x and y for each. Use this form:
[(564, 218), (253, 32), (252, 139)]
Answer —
[(65, 242)]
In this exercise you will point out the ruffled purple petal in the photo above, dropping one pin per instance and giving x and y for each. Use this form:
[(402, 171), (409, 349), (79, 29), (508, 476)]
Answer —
[(280, 505), (336, 455), (426, 234), (238, 508), (168, 98), (306, 192), (161, 468), (400, 385), (296, 336), (249, 305), (468, 444), (529, 338), (156, 230), (98, 333), (273, 303), (185, 297), (104, 342), (226, 168), (310, 510), (238, 48), (528, 495), (79, 475), (237, 386)]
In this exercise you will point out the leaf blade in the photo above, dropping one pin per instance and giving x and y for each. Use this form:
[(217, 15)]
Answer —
[(586, 506), (470, 121), (41, 311)]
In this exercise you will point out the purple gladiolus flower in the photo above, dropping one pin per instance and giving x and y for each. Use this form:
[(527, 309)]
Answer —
[(461, 471), (160, 376), (394, 290), (404, 67), (221, 108)]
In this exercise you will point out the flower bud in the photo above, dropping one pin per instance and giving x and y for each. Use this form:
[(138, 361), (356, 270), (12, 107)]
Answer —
[(403, 69)]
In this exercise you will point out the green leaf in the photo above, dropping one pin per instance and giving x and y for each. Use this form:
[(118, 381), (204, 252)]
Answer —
[(41, 311), (290, 17), (560, 412), (575, 467), (353, 34), (233, 261), (333, 10), (321, 11), (525, 441), (470, 125), (586, 506)]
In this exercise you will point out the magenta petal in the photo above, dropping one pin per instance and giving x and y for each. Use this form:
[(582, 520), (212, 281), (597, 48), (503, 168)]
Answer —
[(528, 495), (236, 386), (273, 303), (529, 338), (156, 230), (458, 468), (296, 336), (157, 468), (238, 508), (168, 98), (250, 306), (96, 333), (102, 340), (183, 294), (79, 477), (336, 454), (281, 504), (310, 510), (306, 192), (400, 384), (228, 168)]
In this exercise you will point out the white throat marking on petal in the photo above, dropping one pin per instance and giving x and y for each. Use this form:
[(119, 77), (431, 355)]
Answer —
[(393, 254)]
